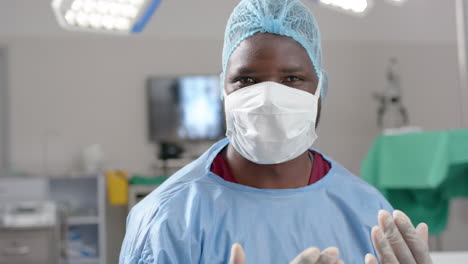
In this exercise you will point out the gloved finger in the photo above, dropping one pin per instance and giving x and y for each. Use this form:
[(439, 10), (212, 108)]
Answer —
[(308, 256), (329, 256), (398, 244), (415, 242), (423, 231), (237, 254), (382, 246), (370, 259)]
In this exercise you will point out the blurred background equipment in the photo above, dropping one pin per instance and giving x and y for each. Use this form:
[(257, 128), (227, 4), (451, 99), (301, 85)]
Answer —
[(52, 220), (462, 45), (184, 108), (113, 16), (168, 151), (141, 186), (29, 233), (183, 111), (30, 225), (420, 173), (93, 159), (83, 201), (117, 187), (392, 113)]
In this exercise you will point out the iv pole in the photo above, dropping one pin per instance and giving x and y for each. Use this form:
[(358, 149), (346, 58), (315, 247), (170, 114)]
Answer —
[(461, 9)]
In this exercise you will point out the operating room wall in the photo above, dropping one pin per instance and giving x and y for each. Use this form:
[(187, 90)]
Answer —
[(69, 93)]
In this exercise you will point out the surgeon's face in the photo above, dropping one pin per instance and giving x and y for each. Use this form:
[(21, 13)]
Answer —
[(268, 57)]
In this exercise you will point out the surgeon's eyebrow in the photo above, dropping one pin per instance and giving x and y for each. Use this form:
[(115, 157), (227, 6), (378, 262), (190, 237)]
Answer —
[(244, 70)]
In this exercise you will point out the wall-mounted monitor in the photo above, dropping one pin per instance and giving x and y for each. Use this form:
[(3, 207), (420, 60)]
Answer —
[(184, 108)]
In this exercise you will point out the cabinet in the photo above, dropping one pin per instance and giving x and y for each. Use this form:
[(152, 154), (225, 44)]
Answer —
[(27, 246), (83, 201)]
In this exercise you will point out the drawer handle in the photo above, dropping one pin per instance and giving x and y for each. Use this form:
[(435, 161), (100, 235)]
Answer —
[(16, 251)]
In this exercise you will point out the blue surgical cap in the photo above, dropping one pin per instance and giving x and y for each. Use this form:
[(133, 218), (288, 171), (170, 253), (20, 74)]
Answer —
[(289, 18)]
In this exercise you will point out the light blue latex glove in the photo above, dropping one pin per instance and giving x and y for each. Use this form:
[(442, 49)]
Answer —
[(398, 242), (309, 256)]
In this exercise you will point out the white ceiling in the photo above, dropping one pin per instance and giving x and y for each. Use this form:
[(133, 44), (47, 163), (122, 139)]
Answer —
[(416, 21)]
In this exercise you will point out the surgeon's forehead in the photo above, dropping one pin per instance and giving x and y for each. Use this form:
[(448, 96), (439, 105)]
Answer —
[(263, 48)]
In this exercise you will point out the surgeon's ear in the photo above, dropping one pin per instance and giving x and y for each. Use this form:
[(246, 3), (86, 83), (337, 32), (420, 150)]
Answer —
[(319, 112), (224, 114)]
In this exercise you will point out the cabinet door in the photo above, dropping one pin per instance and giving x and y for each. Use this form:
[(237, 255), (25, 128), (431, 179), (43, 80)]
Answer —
[(27, 247)]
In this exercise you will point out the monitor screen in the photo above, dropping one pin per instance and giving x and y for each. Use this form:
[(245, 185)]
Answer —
[(185, 108)]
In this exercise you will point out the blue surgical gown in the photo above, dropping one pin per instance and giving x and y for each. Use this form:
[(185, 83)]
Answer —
[(195, 217)]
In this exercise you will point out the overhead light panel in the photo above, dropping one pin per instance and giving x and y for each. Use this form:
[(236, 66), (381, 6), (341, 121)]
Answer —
[(113, 16), (350, 6), (396, 2)]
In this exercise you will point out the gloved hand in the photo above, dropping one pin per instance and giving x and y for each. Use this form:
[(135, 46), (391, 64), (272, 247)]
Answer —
[(398, 242), (309, 256)]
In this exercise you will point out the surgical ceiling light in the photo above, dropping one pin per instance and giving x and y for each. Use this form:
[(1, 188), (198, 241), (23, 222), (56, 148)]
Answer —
[(113, 16), (396, 2), (349, 6)]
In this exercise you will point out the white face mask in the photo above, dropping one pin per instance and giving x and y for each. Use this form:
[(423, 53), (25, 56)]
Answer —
[(270, 123)]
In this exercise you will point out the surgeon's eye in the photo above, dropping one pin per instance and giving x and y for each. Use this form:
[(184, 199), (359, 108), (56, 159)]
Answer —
[(246, 80), (292, 79)]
